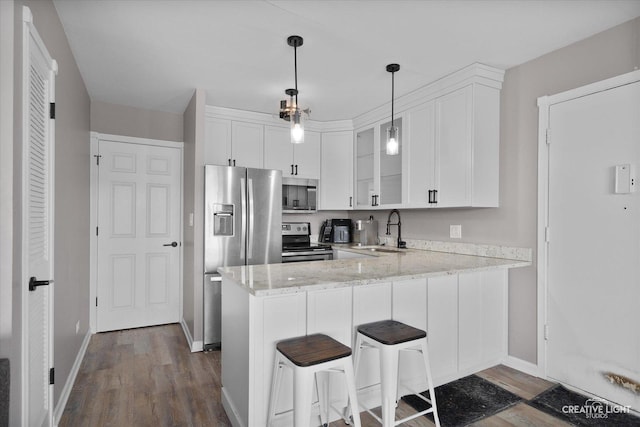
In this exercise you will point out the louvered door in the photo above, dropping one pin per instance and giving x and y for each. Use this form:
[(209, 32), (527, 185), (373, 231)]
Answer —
[(38, 202)]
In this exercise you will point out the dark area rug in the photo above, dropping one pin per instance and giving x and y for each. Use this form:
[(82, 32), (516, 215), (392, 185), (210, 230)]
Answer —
[(580, 410), (465, 401)]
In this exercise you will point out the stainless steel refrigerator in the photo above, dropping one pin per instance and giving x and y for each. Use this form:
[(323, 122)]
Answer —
[(243, 218)]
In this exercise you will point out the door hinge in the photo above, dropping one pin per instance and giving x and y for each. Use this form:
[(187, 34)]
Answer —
[(547, 234), (548, 136), (52, 376), (97, 156), (52, 110), (546, 332)]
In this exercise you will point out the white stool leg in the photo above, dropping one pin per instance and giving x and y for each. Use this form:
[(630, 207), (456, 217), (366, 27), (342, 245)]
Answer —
[(275, 388), (351, 389), (432, 393), (389, 383), (322, 390), (302, 394)]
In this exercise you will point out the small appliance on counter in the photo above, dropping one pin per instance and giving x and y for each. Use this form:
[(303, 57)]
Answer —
[(365, 231), (335, 231)]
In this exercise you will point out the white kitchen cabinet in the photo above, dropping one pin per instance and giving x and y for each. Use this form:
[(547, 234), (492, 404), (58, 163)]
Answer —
[(294, 160), (453, 149), (467, 126), (421, 153), (233, 143), (442, 327), (482, 319), (247, 144), (336, 171), (379, 177)]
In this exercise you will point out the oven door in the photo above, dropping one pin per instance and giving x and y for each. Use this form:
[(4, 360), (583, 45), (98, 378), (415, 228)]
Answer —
[(306, 256)]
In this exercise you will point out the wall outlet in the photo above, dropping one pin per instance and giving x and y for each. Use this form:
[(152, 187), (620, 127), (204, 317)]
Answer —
[(455, 231), (77, 327)]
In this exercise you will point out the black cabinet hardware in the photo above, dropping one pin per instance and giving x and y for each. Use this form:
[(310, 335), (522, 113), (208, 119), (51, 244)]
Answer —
[(172, 244), (291, 169), (351, 201), (229, 161), (296, 170)]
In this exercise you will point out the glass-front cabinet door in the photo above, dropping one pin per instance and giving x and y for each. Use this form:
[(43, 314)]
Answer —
[(390, 167), (378, 175), (365, 161)]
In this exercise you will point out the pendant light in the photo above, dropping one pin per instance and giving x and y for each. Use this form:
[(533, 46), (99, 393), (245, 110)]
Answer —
[(393, 144), (295, 112)]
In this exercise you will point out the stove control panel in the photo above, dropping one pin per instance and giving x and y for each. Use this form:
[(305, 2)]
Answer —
[(296, 228)]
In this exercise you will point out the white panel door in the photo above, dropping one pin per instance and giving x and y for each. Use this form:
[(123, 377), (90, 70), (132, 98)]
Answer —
[(37, 226), (593, 284), (139, 205)]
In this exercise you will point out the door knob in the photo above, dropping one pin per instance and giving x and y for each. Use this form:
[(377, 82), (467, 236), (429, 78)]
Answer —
[(33, 283), (172, 244)]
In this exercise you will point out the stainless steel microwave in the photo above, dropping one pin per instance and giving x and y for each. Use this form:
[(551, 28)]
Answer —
[(299, 195)]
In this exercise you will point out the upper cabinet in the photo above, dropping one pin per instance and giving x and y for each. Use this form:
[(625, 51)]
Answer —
[(454, 149), (233, 143), (294, 160), (336, 172), (379, 176)]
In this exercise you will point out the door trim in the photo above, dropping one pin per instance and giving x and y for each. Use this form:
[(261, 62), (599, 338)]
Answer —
[(95, 138), (544, 106)]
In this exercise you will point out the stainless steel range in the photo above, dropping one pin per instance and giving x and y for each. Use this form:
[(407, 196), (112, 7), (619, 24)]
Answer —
[(297, 246)]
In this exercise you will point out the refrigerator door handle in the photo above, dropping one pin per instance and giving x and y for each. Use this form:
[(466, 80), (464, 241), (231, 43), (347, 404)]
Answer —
[(251, 220), (243, 201)]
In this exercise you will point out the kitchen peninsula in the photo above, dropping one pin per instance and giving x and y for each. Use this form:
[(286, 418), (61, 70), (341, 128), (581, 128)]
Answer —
[(460, 300)]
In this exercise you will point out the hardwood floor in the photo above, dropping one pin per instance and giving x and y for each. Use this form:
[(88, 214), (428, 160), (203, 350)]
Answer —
[(146, 377), (149, 377)]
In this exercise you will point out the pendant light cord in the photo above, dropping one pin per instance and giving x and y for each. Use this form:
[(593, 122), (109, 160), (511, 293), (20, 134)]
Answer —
[(392, 94), (295, 71)]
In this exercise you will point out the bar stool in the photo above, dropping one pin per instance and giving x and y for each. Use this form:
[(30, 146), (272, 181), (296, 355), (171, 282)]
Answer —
[(308, 356), (390, 337)]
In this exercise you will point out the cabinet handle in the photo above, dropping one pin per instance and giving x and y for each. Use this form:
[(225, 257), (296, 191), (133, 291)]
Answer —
[(373, 200), (234, 162), (435, 196), (291, 169), (351, 201), (296, 170), (229, 161), (430, 196)]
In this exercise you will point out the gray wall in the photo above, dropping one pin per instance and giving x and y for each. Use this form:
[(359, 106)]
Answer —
[(193, 265), (71, 227), (130, 121), (607, 54)]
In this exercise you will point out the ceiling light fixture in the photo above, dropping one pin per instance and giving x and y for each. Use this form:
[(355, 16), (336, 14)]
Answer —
[(291, 110), (393, 144)]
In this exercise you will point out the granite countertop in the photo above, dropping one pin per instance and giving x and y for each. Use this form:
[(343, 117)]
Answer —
[(272, 279)]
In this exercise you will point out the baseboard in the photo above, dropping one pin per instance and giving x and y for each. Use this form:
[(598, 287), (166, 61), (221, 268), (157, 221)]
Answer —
[(193, 345), (230, 410), (71, 379), (522, 365)]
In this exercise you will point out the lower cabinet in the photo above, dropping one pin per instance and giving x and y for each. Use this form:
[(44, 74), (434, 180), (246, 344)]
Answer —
[(464, 316)]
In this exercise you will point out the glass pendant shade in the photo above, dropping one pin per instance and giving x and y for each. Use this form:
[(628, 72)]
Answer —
[(297, 126), (393, 145)]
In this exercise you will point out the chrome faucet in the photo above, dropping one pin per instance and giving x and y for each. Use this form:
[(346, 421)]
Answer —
[(401, 244)]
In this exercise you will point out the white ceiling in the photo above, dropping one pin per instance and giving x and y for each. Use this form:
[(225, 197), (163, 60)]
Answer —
[(152, 54)]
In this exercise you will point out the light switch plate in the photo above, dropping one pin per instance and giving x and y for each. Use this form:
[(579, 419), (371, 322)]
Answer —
[(455, 231)]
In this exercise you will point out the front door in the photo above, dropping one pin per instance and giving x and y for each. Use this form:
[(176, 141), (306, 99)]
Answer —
[(593, 291), (139, 228), (37, 225)]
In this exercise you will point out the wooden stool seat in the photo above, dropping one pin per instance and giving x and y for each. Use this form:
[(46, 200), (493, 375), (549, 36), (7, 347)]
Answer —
[(312, 349), (391, 332)]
